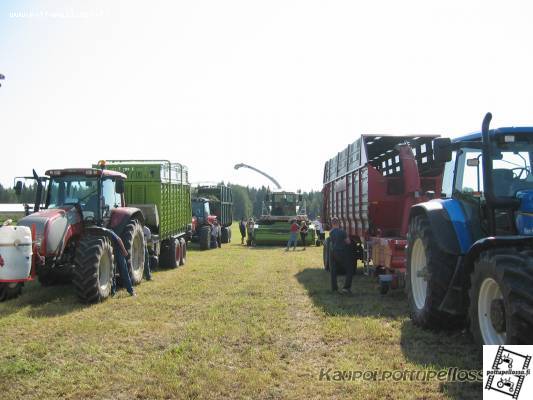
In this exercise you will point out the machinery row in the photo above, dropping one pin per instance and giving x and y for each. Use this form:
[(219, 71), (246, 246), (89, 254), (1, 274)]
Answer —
[(82, 217)]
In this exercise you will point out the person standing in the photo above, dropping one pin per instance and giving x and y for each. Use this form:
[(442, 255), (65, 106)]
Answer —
[(215, 236), (319, 230), (303, 233), (340, 247), (293, 235), (250, 230), (147, 266), (120, 253), (242, 228)]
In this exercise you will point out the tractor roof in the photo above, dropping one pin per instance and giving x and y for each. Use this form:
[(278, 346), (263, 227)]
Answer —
[(475, 136), (85, 172)]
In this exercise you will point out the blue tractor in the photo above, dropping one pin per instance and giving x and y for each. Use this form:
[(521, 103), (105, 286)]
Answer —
[(470, 253)]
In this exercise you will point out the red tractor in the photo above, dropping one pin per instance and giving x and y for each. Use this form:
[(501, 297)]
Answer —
[(76, 229)]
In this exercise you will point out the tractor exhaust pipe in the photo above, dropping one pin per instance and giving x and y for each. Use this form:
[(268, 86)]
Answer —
[(493, 201)]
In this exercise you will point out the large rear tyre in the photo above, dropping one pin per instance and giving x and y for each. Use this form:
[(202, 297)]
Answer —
[(94, 269), (10, 290), (205, 237), (183, 254), (133, 238), (501, 300), (429, 272), (224, 235)]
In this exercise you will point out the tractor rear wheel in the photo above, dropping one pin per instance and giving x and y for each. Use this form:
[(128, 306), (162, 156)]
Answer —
[(429, 272), (205, 237), (501, 301), (183, 245), (133, 238), (224, 235), (170, 253), (10, 290), (94, 269)]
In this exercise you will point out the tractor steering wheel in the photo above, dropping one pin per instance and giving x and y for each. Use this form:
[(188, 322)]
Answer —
[(519, 171)]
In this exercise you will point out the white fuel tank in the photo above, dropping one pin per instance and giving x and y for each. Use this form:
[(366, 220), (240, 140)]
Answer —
[(15, 253)]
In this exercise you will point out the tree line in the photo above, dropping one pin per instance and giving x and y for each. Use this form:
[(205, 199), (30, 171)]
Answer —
[(247, 201)]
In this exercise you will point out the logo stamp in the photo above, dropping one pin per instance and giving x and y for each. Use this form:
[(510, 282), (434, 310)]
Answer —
[(509, 370)]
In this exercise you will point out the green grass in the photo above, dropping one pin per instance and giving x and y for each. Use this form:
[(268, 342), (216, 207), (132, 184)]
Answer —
[(233, 323)]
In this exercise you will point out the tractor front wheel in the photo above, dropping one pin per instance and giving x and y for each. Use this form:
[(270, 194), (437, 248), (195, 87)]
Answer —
[(49, 274), (93, 273), (10, 290), (133, 238), (501, 304), (429, 272)]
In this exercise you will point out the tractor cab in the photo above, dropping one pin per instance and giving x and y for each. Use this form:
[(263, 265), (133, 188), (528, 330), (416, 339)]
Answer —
[(93, 192), (201, 211), (283, 204), (492, 180)]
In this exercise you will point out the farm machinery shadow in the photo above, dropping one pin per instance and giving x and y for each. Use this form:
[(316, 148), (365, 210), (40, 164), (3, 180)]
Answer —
[(427, 349), (43, 302)]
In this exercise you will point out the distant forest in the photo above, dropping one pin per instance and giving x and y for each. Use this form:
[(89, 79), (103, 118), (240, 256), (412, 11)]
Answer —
[(247, 201)]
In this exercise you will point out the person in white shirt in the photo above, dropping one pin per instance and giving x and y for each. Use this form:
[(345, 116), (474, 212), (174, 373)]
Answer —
[(319, 230)]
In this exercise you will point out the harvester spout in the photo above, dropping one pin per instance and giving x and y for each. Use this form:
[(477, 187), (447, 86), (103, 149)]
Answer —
[(275, 182)]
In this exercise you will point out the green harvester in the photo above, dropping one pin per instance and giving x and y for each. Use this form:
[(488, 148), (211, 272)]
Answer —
[(279, 209)]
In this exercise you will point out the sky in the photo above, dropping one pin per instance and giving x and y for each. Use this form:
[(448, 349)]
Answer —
[(280, 85)]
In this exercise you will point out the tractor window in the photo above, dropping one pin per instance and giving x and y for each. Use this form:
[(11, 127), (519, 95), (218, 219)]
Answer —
[(511, 173), (70, 190), (469, 172), (110, 198), (447, 179)]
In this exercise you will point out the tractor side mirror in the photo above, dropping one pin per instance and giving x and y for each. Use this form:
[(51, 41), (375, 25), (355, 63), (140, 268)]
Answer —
[(119, 186), (300, 198), (442, 149), (18, 188)]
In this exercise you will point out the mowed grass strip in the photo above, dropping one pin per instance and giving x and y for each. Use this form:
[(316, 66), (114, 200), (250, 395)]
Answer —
[(235, 323)]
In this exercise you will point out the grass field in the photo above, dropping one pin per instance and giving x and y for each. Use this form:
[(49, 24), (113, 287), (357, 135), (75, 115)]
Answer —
[(233, 323)]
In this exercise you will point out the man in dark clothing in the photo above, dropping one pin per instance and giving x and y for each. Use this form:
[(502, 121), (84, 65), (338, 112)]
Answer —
[(242, 228), (120, 257), (147, 266), (340, 248)]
